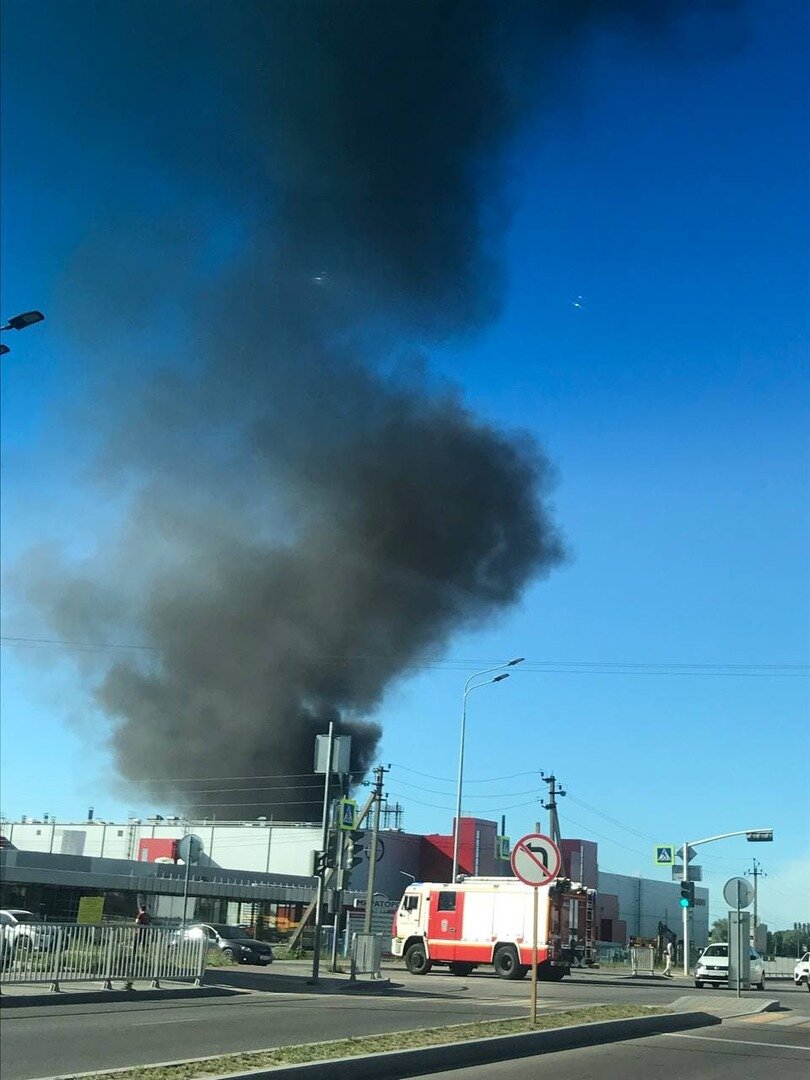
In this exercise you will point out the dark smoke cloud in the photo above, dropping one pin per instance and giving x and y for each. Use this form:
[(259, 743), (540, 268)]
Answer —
[(302, 528)]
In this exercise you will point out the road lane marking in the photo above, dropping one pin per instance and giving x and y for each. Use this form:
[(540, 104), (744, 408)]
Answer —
[(739, 1042)]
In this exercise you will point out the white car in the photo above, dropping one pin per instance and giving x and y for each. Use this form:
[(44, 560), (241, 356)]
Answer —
[(801, 973), (23, 930), (712, 967)]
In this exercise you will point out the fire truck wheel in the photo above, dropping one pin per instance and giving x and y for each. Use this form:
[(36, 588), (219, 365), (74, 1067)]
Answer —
[(461, 969), (416, 960), (506, 963)]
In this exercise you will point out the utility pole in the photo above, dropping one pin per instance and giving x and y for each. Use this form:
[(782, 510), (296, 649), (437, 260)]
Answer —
[(379, 774), (756, 873), (551, 806)]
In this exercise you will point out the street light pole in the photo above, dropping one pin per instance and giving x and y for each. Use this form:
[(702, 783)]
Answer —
[(468, 688)]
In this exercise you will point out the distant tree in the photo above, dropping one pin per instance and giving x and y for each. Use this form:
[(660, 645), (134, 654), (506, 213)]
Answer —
[(719, 930), (788, 943)]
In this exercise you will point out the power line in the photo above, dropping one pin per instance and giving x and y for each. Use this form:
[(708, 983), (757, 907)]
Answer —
[(449, 780), (478, 795), (560, 667)]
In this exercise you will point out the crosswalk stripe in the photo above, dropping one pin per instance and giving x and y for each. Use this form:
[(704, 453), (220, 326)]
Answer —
[(738, 1042)]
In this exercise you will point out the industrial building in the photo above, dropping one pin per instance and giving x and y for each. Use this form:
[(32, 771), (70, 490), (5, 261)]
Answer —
[(269, 857)]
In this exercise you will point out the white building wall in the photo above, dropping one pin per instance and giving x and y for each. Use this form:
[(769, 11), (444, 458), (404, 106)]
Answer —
[(264, 848)]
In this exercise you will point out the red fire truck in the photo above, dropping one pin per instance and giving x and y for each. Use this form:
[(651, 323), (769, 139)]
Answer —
[(488, 920)]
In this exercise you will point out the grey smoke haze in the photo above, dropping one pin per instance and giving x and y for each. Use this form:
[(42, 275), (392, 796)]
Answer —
[(303, 525)]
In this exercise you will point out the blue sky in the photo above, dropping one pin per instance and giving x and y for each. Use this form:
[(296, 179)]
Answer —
[(669, 193)]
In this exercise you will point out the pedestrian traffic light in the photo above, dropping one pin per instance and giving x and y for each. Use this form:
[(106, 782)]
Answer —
[(354, 851), (687, 894), (322, 861)]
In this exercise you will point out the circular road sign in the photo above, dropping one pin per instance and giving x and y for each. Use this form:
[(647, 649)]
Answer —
[(536, 859), (738, 892)]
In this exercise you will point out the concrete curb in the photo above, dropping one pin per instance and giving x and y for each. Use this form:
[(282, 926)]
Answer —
[(10, 1000), (398, 1064)]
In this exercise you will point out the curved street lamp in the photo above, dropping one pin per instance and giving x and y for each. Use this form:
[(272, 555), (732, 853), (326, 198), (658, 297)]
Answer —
[(468, 689), (19, 322)]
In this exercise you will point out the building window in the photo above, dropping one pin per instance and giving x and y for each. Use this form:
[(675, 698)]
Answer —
[(39, 832), (447, 902), (120, 832)]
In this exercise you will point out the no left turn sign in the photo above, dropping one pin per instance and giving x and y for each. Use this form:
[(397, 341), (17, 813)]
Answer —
[(536, 859)]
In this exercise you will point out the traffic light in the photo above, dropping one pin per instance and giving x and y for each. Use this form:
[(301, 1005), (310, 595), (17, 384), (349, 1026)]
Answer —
[(321, 862), (687, 894), (354, 849)]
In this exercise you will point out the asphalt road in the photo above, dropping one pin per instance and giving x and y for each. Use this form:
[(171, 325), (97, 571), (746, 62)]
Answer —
[(54, 1039), (738, 1051)]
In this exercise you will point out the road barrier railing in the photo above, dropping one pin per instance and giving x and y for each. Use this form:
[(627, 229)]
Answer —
[(70, 953), (642, 959)]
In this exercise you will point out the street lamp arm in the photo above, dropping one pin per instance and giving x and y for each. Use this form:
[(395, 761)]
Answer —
[(478, 674), (724, 836)]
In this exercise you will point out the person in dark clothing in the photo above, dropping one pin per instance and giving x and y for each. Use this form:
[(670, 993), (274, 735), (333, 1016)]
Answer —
[(143, 921)]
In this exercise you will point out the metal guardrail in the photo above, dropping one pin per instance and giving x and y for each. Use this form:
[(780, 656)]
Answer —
[(70, 953), (366, 955)]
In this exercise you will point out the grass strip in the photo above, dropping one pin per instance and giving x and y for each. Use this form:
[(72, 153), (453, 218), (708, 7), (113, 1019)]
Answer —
[(375, 1044)]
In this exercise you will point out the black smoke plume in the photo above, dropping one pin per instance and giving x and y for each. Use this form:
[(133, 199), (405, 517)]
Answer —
[(307, 516)]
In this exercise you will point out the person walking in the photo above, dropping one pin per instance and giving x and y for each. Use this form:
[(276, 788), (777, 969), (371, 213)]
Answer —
[(668, 955)]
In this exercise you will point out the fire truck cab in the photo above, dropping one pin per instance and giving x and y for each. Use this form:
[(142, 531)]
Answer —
[(488, 920)]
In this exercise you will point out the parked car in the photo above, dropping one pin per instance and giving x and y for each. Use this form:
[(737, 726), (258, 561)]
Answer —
[(712, 967), (801, 973), (232, 941), (25, 931)]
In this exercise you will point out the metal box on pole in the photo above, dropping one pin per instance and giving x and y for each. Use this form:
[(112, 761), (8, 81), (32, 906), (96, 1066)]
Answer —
[(341, 754)]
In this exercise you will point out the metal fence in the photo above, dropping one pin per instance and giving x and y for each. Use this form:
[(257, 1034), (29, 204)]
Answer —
[(70, 953), (366, 955), (781, 967)]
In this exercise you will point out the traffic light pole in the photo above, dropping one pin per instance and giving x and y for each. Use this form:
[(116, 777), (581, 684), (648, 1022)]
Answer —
[(751, 834), (316, 947), (379, 774), (341, 845)]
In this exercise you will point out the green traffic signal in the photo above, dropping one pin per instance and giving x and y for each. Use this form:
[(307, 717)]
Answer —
[(687, 894)]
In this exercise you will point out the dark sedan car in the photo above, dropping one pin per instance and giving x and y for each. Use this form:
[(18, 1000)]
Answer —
[(233, 942)]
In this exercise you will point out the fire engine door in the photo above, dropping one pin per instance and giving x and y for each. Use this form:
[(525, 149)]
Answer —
[(445, 921)]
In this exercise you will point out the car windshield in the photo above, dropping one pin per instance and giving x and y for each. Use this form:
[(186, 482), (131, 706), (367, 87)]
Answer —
[(716, 950), (229, 931), (26, 916)]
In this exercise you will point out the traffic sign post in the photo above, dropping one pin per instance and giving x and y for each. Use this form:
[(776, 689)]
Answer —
[(738, 893), (536, 861)]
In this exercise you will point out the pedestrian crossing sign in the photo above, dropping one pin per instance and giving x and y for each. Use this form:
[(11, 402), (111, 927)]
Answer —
[(664, 854), (348, 814)]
